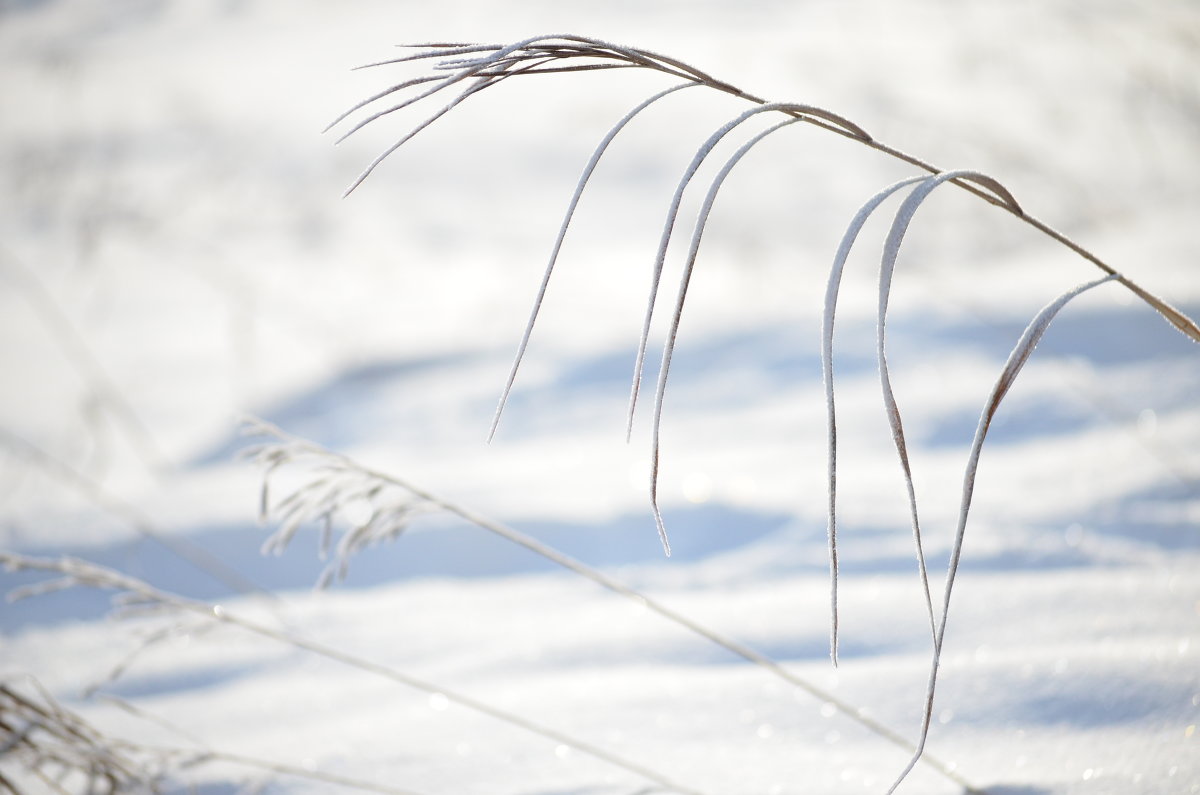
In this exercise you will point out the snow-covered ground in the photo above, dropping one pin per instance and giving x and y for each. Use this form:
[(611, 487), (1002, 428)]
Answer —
[(175, 255)]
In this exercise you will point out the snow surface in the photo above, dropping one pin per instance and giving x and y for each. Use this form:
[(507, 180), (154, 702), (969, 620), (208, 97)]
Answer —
[(175, 255)]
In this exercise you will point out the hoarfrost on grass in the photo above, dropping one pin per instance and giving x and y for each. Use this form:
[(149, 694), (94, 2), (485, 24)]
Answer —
[(142, 199)]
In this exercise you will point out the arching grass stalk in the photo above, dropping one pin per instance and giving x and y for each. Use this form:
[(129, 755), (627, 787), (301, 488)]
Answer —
[(552, 54), (485, 65), (132, 592)]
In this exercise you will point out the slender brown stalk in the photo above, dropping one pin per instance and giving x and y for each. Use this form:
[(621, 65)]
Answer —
[(529, 56), (487, 65)]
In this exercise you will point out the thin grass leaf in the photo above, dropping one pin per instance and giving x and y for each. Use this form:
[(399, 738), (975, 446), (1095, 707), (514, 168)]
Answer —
[(479, 85), (591, 67), (416, 81), (797, 112), (434, 50), (485, 79), (1016, 361), (1002, 194), (891, 250), (830, 311), (558, 242), (668, 229), (469, 69), (461, 74), (685, 279), (450, 44)]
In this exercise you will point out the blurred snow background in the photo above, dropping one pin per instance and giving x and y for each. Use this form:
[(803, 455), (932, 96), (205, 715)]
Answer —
[(175, 254)]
